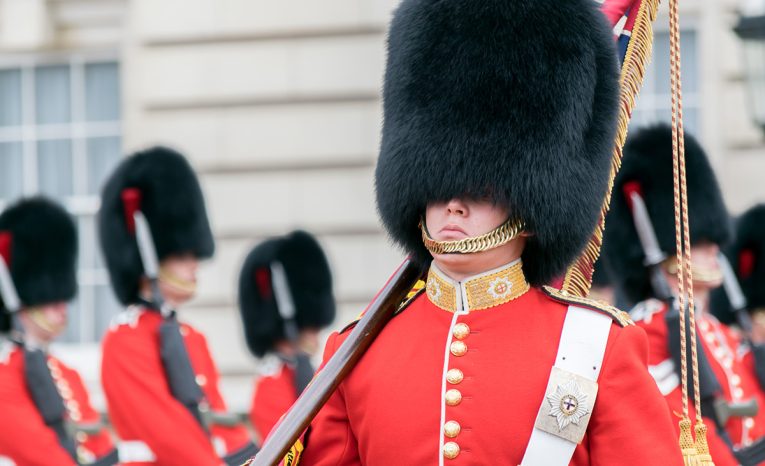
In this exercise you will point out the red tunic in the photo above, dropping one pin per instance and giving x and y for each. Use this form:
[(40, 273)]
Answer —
[(24, 437), (273, 395), (141, 406), (731, 363), (394, 406)]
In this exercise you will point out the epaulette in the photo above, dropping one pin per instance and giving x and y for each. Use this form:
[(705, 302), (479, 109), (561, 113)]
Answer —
[(416, 290), (619, 316)]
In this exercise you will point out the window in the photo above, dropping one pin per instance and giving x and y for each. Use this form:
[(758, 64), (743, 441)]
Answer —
[(655, 104), (60, 135)]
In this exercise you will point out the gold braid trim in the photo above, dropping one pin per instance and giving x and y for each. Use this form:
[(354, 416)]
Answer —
[(503, 234), (578, 279), (619, 316)]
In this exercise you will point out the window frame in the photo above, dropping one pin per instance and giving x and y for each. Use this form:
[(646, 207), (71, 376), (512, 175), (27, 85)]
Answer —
[(80, 204)]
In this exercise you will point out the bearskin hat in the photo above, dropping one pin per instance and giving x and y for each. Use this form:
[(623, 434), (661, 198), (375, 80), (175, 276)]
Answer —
[(515, 101), (648, 163), (747, 258), (310, 287), (38, 240), (169, 195)]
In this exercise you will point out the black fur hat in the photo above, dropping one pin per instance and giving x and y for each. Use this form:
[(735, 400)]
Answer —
[(648, 162), (310, 287), (516, 100), (39, 239), (172, 202), (747, 258)]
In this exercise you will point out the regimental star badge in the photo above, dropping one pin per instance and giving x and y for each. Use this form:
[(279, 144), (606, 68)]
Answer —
[(500, 287), (568, 404)]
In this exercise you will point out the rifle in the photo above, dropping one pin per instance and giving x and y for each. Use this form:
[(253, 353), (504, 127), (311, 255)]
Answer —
[(379, 312)]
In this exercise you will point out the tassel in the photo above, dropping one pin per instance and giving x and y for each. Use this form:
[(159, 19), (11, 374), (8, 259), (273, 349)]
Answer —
[(687, 445), (702, 447)]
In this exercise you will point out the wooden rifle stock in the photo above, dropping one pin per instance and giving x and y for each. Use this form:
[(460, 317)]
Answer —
[(378, 313)]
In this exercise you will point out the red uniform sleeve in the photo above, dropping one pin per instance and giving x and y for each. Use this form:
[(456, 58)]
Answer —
[(330, 440), (273, 396), (141, 406), (630, 421)]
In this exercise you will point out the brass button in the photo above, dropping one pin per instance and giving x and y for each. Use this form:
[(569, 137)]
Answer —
[(451, 450), (75, 415), (458, 348), (201, 380), (453, 397), (65, 392), (461, 331), (454, 376), (184, 331), (82, 437), (452, 429)]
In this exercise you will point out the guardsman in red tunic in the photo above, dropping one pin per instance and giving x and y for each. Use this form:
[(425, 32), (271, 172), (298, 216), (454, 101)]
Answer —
[(647, 171), (159, 378), (285, 298), (498, 131), (46, 415)]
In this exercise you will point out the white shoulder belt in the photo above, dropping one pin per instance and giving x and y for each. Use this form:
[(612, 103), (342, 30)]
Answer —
[(571, 389)]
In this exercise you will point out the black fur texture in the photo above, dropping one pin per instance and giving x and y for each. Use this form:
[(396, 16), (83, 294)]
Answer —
[(648, 161), (749, 240), (43, 252), (171, 201), (511, 100), (310, 283)]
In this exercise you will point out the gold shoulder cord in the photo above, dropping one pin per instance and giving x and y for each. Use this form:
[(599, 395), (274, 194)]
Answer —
[(503, 234), (695, 453)]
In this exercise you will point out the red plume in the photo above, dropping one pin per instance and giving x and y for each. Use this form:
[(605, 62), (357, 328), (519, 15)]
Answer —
[(131, 201), (745, 263), (5, 246), (632, 187), (263, 281)]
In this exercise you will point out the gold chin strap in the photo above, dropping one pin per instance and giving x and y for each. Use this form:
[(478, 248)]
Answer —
[(503, 234), (38, 317), (173, 280), (700, 274)]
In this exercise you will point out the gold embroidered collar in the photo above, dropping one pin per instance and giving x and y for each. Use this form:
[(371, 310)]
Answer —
[(481, 291)]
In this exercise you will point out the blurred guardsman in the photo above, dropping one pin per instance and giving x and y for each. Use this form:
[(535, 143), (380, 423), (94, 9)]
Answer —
[(747, 258), (159, 378), (602, 288), (499, 120), (285, 297), (46, 413), (647, 172)]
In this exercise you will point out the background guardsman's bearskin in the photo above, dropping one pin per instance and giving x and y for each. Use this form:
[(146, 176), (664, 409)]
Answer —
[(747, 258), (648, 162), (170, 198), (39, 240), (309, 283), (533, 135)]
